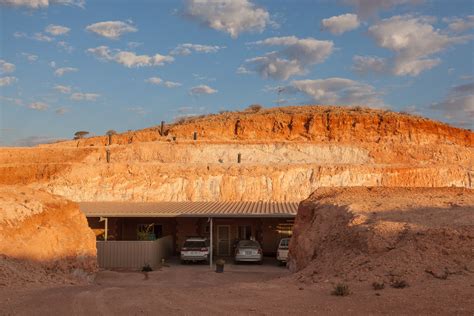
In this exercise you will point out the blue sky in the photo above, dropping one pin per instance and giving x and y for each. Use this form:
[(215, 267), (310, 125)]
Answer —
[(69, 65)]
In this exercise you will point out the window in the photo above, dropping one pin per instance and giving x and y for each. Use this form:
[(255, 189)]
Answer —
[(149, 231), (245, 232)]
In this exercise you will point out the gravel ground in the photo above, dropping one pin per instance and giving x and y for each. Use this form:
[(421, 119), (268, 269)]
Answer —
[(244, 289)]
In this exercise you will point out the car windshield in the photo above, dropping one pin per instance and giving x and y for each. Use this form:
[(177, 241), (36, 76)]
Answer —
[(194, 244), (284, 242), (248, 244)]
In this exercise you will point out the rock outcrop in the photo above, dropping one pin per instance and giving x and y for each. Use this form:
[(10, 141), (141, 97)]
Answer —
[(43, 239), (285, 154), (384, 235)]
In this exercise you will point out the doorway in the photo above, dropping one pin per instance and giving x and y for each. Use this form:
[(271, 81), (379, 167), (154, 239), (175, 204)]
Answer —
[(223, 240)]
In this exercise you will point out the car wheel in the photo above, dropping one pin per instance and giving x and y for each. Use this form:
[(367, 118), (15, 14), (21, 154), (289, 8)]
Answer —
[(183, 261), (260, 262)]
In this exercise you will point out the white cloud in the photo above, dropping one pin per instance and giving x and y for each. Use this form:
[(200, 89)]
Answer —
[(138, 110), (202, 89), (187, 49), (56, 30), (292, 60), (39, 4), (30, 57), (154, 80), (413, 40), (6, 67), (111, 29), (42, 37), (7, 81), (38, 106), (243, 71), (339, 91), (341, 23), (134, 45), (63, 89), (459, 25), (61, 71), (458, 105), (159, 82), (65, 46), (171, 84), (230, 16), (367, 64), (15, 101), (129, 59), (79, 96), (61, 110), (367, 8), (52, 64)]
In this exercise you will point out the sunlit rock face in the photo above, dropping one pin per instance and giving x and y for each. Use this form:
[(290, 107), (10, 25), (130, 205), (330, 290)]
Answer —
[(285, 154), (43, 238)]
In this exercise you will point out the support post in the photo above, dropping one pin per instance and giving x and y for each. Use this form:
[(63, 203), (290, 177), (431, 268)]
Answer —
[(106, 220), (107, 152), (239, 157), (210, 243), (195, 136), (162, 128)]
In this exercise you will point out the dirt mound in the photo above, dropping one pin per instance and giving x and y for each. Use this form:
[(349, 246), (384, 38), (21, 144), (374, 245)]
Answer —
[(43, 238), (297, 123), (384, 234)]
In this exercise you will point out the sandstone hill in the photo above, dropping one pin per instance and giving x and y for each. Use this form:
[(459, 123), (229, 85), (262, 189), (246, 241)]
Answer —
[(43, 239), (286, 153), (384, 235)]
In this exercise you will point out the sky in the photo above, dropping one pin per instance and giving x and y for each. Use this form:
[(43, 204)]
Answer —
[(70, 65)]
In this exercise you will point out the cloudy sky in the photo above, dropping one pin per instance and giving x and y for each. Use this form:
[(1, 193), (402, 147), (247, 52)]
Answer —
[(69, 65)]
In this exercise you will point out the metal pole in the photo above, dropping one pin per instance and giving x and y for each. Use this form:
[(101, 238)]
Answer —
[(210, 250)]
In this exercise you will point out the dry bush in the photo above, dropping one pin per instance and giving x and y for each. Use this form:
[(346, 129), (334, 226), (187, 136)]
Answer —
[(341, 289), (399, 284), (378, 286), (254, 108)]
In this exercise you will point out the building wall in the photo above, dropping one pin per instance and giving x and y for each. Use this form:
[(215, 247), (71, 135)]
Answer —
[(265, 230)]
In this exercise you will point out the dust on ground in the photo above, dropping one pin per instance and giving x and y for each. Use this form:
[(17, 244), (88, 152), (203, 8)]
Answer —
[(241, 290)]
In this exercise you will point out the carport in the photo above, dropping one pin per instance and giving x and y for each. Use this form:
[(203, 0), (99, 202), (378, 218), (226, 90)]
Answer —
[(221, 222)]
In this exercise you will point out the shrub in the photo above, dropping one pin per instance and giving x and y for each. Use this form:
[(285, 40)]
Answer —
[(378, 286), (399, 284), (254, 108), (147, 268), (341, 290)]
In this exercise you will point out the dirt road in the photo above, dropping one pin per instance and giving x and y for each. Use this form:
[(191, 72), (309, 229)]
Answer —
[(240, 290)]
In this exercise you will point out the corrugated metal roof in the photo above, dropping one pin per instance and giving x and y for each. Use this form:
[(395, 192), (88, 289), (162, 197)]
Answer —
[(189, 209)]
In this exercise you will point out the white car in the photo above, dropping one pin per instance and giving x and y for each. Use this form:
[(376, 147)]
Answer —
[(195, 249), (282, 251), (249, 251)]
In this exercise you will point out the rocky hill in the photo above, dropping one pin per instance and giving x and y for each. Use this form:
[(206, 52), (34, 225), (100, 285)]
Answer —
[(384, 235), (285, 154), (43, 239)]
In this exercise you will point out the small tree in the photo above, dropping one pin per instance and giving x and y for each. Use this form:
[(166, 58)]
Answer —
[(110, 132), (254, 108), (80, 134)]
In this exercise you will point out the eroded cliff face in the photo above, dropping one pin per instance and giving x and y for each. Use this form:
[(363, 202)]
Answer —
[(43, 239), (286, 153), (384, 234), (304, 123)]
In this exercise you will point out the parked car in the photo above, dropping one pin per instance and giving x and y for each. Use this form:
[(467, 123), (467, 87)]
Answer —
[(248, 250), (195, 249), (282, 251)]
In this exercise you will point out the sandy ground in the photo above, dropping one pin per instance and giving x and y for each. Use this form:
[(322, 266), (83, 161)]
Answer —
[(241, 290)]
